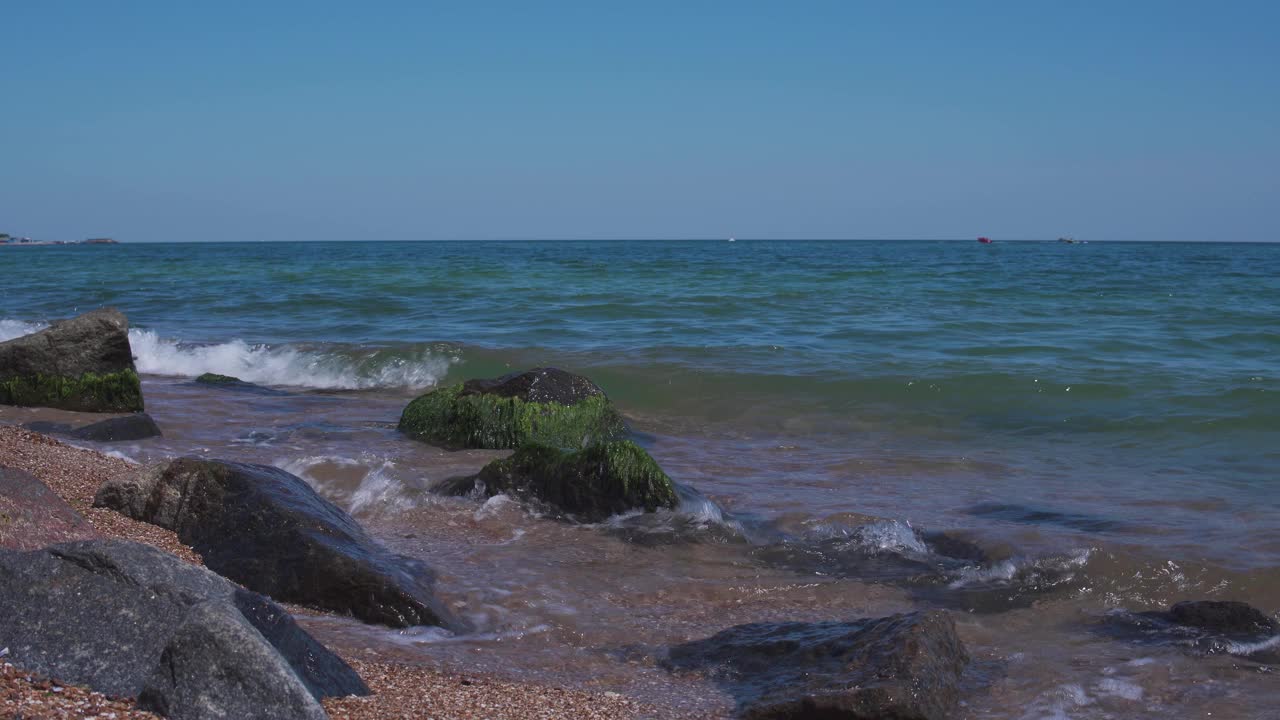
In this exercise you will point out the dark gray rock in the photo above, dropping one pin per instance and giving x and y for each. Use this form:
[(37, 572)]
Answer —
[(127, 428), (269, 531), (33, 516), (1203, 627), (1222, 616), (227, 382), (216, 665), (83, 364), (901, 667), (127, 619)]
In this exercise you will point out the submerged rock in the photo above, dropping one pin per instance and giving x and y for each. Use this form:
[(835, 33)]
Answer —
[(33, 516), (589, 485), (83, 364), (938, 568), (1223, 616), (544, 405), (1209, 627), (269, 531), (216, 379), (901, 666), (129, 620), (138, 426)]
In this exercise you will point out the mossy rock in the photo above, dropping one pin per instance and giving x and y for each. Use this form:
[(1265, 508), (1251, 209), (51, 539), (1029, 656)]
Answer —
[(589, 485), (216, 379), (543, 406), (90, 392), (83, 364)]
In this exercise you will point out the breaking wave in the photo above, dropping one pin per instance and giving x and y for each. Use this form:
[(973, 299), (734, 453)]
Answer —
[(349, 368)]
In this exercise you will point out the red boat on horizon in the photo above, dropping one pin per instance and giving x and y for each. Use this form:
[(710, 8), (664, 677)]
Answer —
[(984, 240)]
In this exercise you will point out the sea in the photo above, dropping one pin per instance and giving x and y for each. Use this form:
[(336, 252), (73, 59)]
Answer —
[(1040, 437)]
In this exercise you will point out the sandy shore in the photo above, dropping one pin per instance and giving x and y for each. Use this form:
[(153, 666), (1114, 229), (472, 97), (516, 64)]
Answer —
[(399, 691)]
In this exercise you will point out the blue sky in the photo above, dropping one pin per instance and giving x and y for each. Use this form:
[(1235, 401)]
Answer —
[(199, 121)]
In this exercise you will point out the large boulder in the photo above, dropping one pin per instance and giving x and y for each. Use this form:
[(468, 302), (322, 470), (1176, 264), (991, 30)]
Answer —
[(269, 531), (901, 667), (544, 405), (33, 516), (587, 485), (84, 364), (126, 428), (129, 620)]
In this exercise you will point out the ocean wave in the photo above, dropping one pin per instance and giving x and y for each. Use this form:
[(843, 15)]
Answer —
[(363, 485), (288, 365), (284, 365)]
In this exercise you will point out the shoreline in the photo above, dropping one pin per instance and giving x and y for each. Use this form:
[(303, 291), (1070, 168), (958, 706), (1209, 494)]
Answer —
[(399, 690)]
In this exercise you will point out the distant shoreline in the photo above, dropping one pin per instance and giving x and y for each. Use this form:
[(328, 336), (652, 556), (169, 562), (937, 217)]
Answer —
[(46, 243)]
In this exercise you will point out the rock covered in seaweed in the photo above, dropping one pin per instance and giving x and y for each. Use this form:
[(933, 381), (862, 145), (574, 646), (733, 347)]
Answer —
[(269, 531), (906, 667), (546, 406), (84, 363), (216, 379), (589, 484), (129, 620)]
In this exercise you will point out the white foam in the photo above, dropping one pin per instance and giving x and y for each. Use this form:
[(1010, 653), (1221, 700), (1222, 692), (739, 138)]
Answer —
[(1247, 648), (10, 329), (890, 536), (270, 365), (1058, 703), (1007, 570), (1115, 687), (377, 488), (495, 506), (284, 364)]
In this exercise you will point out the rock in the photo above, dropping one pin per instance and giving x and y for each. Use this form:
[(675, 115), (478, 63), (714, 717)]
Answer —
[(589, 485), (138, 426), (1206, 627), (228, 382), (1227, 617), (33, 516), (544, 405), (84, 364), (216, 379), (129, 620), (269, 531), (901, 667)]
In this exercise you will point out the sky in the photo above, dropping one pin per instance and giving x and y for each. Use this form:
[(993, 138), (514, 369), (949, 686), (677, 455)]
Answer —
[(164, 121)]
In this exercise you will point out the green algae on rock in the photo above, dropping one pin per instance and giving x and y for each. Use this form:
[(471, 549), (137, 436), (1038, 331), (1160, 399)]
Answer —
[(545, 406), (590, 484), (83, 364), (216, 379), (112, 392)]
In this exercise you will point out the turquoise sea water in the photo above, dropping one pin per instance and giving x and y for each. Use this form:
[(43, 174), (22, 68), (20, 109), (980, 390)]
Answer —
[(1090, 380)]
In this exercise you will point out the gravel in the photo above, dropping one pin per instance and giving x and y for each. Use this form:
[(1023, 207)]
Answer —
[(400, 691)]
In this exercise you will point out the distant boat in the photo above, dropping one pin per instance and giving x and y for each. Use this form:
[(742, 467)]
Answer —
[(1069, 241), (732, 240), (984, 240)]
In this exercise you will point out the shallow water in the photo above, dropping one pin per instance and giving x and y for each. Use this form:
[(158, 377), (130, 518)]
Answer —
[(1100, 419)]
